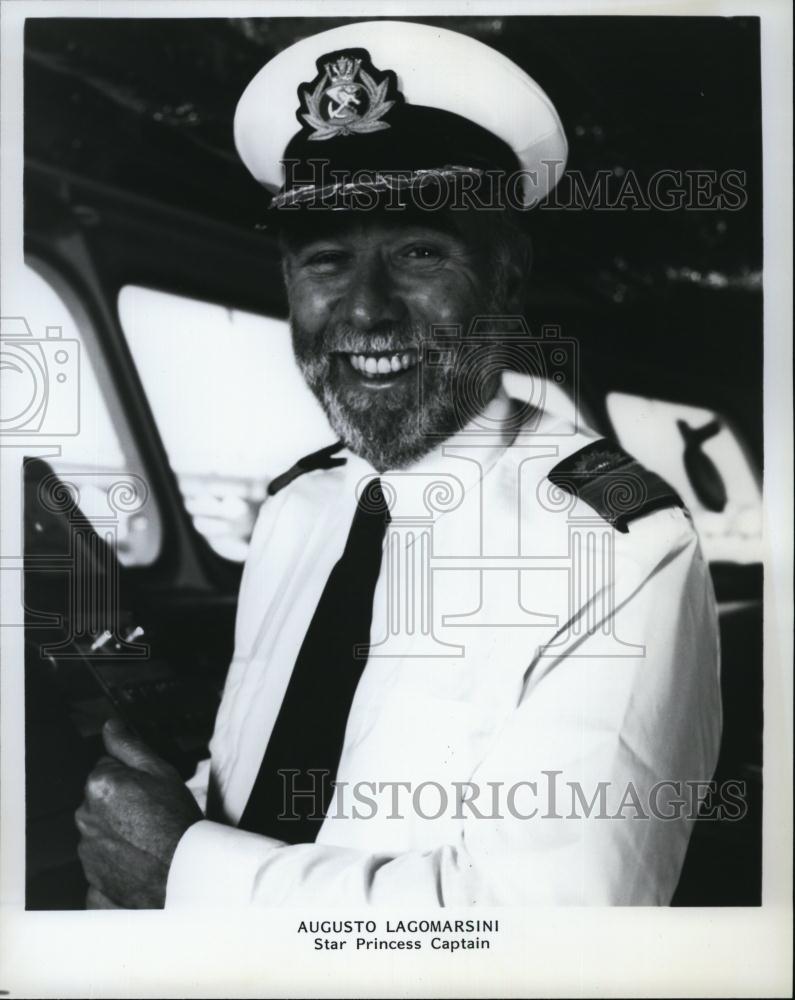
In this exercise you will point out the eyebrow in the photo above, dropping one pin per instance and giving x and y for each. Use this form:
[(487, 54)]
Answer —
[(306, 241), (304, 230)]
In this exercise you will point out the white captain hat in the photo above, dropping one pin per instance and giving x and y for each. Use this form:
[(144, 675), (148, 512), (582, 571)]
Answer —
[(379, 104)]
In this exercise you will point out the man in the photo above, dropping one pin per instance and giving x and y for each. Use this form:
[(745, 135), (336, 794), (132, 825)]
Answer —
[(476, 649)]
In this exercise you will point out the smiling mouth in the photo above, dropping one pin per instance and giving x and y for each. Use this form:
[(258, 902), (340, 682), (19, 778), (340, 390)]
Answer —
[(382, 365)]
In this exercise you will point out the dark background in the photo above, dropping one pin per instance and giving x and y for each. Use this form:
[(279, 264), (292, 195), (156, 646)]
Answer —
[(131, 177), (146, 107)]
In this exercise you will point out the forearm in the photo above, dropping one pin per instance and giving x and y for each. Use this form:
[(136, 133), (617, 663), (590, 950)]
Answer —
[(216, 864), (598, 861), (581, 843)]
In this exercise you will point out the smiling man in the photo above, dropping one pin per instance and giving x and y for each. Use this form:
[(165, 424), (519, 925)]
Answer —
[(476, 649), (367, 291)]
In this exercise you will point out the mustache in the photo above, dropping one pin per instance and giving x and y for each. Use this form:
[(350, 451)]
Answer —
[(346, 339)]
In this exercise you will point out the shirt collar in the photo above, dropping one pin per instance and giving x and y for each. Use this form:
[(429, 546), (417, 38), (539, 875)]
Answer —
[(483, 441)]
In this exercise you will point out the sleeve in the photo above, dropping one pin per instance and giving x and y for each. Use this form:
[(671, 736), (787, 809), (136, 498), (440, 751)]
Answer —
[(598, 755)]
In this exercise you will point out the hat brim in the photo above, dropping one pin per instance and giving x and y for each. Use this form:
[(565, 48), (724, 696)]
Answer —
[(423, 192)]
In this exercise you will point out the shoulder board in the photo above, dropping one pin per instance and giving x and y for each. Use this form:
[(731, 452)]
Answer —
[(613, 483), (317, 460)]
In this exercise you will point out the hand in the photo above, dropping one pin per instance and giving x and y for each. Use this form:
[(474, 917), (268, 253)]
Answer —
[(136, 809), (96, 901)]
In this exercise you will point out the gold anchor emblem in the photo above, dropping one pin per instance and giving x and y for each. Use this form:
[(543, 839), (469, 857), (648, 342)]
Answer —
[(346, 101)]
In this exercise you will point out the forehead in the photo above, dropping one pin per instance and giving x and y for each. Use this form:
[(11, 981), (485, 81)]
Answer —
[(308, 226)]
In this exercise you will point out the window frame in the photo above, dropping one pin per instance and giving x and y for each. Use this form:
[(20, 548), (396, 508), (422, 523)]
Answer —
[(184, 559), (91, 344)]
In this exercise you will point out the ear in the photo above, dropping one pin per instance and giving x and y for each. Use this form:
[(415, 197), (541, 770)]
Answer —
[(287, 270), (517, 269)]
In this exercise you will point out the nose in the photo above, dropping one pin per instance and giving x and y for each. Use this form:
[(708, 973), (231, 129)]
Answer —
[(371, 298)]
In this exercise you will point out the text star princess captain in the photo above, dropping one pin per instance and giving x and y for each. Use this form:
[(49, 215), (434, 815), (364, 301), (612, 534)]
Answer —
[(467, 593)]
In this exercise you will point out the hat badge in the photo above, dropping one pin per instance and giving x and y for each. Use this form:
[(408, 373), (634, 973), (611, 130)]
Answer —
[(345, 100)]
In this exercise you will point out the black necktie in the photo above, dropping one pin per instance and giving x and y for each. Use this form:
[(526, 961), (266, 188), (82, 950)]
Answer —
[(293, 788)]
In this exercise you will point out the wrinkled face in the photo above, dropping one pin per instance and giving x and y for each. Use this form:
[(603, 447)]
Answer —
[(367, 295)]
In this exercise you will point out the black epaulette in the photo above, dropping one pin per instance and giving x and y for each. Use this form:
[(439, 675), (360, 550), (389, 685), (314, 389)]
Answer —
[(615, 484), (317, 460)]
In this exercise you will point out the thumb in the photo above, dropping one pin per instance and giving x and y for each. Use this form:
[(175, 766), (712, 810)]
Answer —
[(130, 750)]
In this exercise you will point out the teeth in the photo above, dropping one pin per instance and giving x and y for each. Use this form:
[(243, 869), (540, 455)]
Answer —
[(382, 365)]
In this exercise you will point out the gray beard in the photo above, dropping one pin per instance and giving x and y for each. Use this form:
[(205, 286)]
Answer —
[(392, 431), (387, 438)]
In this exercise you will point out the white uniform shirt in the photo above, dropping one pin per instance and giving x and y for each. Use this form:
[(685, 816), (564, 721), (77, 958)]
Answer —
[(521, 649)]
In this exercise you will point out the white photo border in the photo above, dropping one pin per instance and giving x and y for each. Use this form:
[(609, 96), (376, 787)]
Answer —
[(539, 952)]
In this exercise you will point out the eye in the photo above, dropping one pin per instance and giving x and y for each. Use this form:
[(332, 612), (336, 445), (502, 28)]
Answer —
[(324, 261), (421, 254)]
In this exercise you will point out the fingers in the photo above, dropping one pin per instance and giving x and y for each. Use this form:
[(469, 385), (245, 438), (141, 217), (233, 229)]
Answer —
[(97, 900), (101, 786), (119, 871), (123, 746), (83, 820)]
